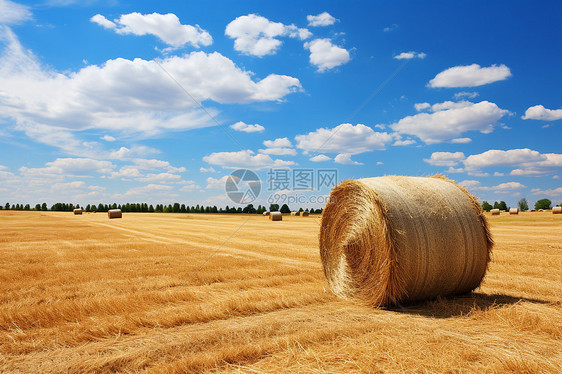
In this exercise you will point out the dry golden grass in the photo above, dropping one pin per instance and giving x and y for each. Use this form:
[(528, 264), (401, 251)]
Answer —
[(236, 293)]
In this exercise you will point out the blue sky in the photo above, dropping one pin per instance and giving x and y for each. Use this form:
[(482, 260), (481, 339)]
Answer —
[(111, 101)]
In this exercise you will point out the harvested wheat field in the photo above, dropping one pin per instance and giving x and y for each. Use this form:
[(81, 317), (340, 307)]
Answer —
[(157, 293)]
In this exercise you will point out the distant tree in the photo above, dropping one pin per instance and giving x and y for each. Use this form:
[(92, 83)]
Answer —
[(17, 207), (38, 207), (496, 205), (523, 205), (274, 208), (44, 207), (503, 206), (176, 208), (182, 209), (486, 206), (285, 209), (151, 209), (301, 210), (249, 209), (543, 204), (26, 207)]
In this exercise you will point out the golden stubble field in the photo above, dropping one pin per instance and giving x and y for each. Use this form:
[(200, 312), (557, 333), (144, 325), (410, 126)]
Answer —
[(238, 293)]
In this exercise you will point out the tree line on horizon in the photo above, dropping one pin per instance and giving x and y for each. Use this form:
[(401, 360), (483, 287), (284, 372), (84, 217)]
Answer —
[(158, 208), (522, 204)]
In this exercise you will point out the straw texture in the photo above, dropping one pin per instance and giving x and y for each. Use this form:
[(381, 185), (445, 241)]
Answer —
[(275, 216), (514, 211), (402, 239), (557, 210), (114, 213), (495, 212)]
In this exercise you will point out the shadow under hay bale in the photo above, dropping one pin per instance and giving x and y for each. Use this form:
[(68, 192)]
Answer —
[(462, 305), (394, 239), (114, 213)]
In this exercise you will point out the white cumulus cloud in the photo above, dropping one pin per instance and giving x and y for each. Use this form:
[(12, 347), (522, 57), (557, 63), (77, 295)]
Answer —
[(345, 159), (256, 35), (322, 19), (527, 162), (410, 55), (470, 76), (550, 192), (542, 113), (167, 27), (325, 55), (320, 158), (345, 138), (279, 147), (129, 96), (450, 120), (245, 159), (13, 13), (445, 158), (241, 126)]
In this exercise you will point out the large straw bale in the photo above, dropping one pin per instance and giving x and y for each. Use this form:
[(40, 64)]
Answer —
[(397, 239), (114, 213), (495, 212), (514, 211), (557, 210), (275, 216), (77, 211)]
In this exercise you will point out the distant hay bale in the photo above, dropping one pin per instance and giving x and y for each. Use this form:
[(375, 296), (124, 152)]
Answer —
[(514, 211), (266, 213), (294, 213), (533, 210), (114, 213), (305, 214), (557, 210), (495, 212), (275, 216), (385, 240), (541, 210), (77, 211)]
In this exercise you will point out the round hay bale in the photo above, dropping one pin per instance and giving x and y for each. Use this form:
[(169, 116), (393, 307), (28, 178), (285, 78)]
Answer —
[(293, 213), (514, 211), (541, 210), (275, 216), (305, 214), (266, 213), (557, 210), (77, 211), (398, 239), (114, 213), (495, 212)]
